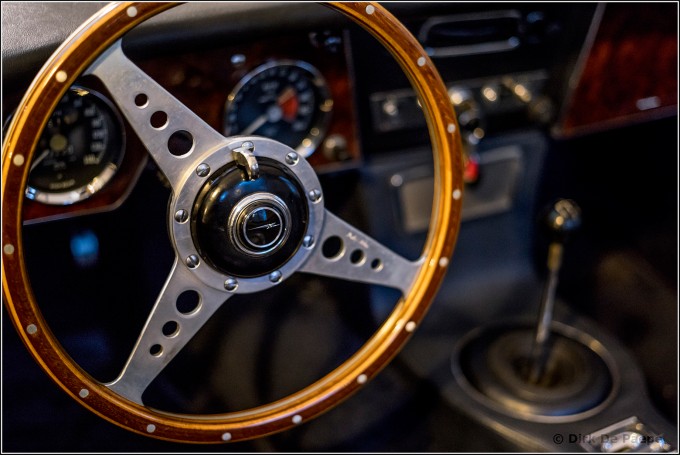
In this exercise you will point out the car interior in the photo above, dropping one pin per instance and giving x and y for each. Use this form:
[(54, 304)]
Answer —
[(380, 227)]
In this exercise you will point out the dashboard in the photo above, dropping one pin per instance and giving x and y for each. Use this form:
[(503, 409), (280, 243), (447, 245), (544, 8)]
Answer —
[(296, 90), (301, 87)]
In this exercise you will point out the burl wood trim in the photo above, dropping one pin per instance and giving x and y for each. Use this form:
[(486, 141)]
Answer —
[(631, 71)]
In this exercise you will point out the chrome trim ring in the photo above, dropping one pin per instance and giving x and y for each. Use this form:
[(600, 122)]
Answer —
[(242, 215)]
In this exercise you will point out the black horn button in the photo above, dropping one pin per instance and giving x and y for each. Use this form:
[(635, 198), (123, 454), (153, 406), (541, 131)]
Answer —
[(249, 228), (263, 228), (259, 224)]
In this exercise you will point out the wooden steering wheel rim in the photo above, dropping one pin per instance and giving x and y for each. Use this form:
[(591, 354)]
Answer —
[(62, 69)]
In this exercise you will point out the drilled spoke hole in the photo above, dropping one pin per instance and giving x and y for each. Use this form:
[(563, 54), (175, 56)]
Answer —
[(357, 257), (376, 264), (156, 350), (333, 247), (188, 302), (170, 329), (141, 100), (159, 120), (180, 143)]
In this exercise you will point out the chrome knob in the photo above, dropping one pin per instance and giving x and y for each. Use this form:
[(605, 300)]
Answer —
[(563, 219)]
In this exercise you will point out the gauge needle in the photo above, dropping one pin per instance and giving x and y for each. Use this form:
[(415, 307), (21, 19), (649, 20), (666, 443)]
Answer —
[(255, 124), (273, 113), (288, 103), (37, 160), (285, 95)]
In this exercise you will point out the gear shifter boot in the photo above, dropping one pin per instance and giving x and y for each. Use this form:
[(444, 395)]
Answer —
[(576, 378)]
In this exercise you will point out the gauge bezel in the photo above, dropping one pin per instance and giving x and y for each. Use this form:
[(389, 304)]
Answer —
[(324, 107), (100, 180)]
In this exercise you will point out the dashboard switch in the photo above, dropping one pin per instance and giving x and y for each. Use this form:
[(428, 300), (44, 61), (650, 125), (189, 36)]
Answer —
[(471, 168)]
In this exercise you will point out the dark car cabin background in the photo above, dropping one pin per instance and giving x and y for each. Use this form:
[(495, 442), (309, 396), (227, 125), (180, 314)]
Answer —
[(566, 100)]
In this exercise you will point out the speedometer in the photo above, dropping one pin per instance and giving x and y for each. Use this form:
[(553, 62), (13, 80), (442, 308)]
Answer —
[(79, 151), (284, 100)]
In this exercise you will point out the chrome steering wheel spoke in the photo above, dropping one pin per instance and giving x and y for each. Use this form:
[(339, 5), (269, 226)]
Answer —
[(347, 253), (169, 130), (182, 308)]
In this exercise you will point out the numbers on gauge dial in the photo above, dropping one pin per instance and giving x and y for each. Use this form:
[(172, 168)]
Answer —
[(79, 150), (287, 101)]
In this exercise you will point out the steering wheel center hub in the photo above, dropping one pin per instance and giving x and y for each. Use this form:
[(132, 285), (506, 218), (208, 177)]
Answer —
[(259, 224), (249, 228), (231, 226)]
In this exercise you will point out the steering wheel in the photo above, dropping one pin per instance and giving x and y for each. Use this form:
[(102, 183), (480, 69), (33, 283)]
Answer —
[(245, 214)]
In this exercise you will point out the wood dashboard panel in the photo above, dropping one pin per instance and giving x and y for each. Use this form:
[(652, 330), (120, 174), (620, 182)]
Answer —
[(631, 72)]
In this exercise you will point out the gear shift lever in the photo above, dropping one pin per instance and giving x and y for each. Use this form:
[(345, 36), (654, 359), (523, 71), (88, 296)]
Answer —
[(543, 370), (563, 219), (556, 372)]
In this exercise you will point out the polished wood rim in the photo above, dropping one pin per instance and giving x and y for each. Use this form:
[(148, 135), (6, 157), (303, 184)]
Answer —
[(80, 49)]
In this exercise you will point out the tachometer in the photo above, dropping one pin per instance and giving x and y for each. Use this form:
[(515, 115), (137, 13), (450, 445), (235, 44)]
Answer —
[(79, 150), (284, 100)]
